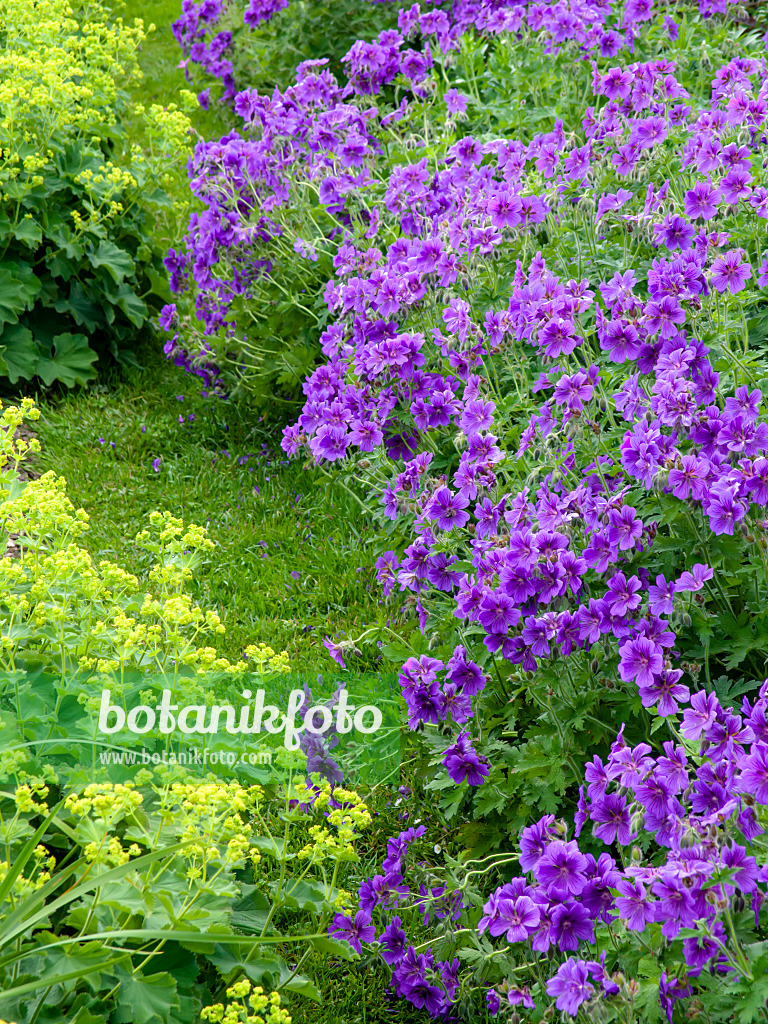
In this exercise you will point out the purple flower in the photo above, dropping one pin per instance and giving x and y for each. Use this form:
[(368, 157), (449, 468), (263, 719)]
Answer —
[(518, 917), (518, 996), (571, 924), (455, 101), (729, 273), (695, 579), (448, 509), (533, 841), (660, 597), (753, 777), (571, 986), (392, 941), (561, 869), (670, 991), (633, 905), (624, 527), (334, 650), (497, 612), (663, 316), (462, 762), (641, 660), (356, 931), (665, 691), (611, 815)]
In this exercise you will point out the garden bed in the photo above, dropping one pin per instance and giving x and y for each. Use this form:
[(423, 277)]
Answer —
[(408, 365)]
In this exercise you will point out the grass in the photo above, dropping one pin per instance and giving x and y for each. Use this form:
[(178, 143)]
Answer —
[(292, 561), (160, 59)]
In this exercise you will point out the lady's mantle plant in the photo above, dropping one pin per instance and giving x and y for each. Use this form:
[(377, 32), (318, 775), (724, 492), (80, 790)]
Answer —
[(150, 894), (80, 273)]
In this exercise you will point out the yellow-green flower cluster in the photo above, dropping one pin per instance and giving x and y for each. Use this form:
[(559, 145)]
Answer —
[(14, 449), (215, 819), (349, 819), (31, 799), (40, 873), (108, 802), (61, 69), (247, 1005), (103, 618)]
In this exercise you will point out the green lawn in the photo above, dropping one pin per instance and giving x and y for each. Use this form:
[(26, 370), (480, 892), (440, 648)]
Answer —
[(160, 59), (292, 563)]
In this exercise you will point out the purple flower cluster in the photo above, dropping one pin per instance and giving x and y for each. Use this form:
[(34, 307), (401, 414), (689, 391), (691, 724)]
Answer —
[(552, 570), (311, 134), (700, 813), (318, 746), (198, 21), (695, 810), (202, 364), (418, 977)]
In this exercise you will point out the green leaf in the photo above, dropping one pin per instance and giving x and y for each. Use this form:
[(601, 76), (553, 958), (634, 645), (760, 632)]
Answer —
[(71, 363), (728, 690), (301, 984), (18, 353), (133, 307), (15, 296), (79, 306), (250, 912), (332, 947), (116, 262), (90, 959), (30, 987), (303, 895), (274, 847), (752, 1002), (84, 1016), (28, 231), (143, 999)]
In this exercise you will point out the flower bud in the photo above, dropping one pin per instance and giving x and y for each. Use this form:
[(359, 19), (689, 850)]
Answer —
[(660, 481), (738, 903)]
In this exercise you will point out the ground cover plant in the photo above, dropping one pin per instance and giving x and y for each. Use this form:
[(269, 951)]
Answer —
[(231, 46)]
